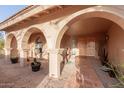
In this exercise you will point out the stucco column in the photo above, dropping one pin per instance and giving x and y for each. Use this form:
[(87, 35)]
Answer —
[(54, 63), (7, 54), (23, 56)]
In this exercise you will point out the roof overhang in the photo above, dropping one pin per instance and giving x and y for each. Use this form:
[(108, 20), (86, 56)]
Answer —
[(37, 14)]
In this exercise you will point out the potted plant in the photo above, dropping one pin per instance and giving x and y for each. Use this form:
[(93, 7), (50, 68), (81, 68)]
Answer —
[(14, 57), (35, 65), (14, 60)]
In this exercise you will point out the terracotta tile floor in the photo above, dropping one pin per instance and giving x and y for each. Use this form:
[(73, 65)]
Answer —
[(12, 75), (93, 76), (104, 77)]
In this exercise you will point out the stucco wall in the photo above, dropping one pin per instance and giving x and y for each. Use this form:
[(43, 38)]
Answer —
[(116, 45), (65, 42), (13, 43), (14, 51)]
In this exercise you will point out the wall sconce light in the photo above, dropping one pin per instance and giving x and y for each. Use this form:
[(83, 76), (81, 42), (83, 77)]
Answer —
[(107, 37)]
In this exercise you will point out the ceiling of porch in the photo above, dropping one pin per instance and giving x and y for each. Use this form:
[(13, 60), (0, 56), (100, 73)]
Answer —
[(89, 26)]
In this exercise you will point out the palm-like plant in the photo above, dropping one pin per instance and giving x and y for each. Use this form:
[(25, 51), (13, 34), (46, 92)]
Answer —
[(118, 74), (114, 71)]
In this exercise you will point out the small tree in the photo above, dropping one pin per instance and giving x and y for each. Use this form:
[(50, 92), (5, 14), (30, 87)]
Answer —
[(1, 41)]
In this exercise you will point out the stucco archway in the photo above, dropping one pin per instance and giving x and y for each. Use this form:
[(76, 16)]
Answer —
[(88, 13), (116, 26), (9, 40), (28, 44), (27, 35), (11, 46)]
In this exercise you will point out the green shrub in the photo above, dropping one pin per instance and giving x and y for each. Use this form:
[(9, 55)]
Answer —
[(1, 44), (119, 75)]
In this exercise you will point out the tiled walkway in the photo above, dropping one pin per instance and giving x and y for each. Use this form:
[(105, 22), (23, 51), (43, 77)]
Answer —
[(93, 75), (65, 81), (106, 80), (12, 75)]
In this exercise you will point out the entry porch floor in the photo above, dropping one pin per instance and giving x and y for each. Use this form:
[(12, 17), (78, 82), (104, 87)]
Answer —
[(15, 76)]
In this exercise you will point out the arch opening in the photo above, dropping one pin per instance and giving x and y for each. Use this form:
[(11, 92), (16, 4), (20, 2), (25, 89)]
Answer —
[(32, 40), (11, 44), (90, 40)]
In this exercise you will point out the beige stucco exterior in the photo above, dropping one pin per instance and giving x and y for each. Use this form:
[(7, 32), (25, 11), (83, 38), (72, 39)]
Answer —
[(52, 22)]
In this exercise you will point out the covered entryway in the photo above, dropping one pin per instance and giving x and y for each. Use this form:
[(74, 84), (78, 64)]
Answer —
[(91, 37)]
